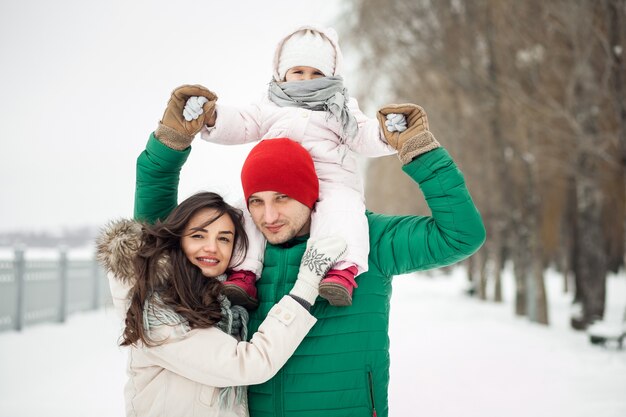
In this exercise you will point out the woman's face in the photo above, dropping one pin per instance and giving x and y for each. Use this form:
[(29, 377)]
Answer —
[(209, 247)]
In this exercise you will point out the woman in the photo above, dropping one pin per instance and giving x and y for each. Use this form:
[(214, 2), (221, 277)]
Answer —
[(188, 355)]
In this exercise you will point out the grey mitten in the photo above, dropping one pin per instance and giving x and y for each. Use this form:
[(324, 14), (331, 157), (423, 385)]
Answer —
[(319, 257)]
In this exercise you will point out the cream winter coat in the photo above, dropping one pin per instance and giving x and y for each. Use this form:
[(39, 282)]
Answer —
[(184, 375), (341, 209)]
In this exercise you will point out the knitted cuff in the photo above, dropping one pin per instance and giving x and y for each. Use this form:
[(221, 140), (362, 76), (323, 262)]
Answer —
[(304, 303), (417, 145), (304, 291), (172, 138)]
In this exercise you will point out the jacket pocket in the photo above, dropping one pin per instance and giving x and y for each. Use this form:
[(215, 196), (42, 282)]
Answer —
[(370, 391)]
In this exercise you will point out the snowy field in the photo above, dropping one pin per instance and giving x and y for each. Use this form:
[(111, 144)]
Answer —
[(452, 356)]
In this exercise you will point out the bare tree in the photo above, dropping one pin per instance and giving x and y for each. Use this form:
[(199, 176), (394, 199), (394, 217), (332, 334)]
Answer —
[(529, 98)]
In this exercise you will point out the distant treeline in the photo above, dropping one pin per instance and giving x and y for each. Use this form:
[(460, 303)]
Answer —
[(76, 237)]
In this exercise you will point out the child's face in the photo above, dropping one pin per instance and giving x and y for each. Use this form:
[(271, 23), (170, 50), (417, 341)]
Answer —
[(303, 74)]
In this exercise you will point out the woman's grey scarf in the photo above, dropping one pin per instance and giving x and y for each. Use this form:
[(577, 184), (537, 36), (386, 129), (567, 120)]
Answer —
[(234, 322), (321, 94)]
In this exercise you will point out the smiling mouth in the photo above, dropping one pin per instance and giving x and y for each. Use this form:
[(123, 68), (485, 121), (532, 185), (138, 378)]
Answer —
[(274, 229), (208, 261)]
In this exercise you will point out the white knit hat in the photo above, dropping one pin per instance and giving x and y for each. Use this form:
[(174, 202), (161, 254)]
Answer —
[(307, 48)]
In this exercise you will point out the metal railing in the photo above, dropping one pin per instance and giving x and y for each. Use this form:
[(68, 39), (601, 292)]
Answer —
[(37, 291)]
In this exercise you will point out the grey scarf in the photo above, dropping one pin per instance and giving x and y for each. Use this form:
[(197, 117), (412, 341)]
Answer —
[(320, 94), (234, 322)]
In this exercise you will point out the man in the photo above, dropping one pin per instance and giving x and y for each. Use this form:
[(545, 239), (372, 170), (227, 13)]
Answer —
[(342, 367)]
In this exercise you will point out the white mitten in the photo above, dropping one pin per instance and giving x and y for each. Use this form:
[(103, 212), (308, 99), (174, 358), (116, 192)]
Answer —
[(396, 122), (193, 107), (319, 257)]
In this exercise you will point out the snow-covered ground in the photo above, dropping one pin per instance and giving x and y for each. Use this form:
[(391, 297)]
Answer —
[(460, 357), (451, 356)]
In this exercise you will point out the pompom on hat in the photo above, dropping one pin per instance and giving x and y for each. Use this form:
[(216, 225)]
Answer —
[(283, 166), (308, 47)]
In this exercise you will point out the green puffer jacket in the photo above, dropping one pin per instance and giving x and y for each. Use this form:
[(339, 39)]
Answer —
[(341, 368)]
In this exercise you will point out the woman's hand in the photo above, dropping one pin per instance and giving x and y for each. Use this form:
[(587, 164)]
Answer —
[(319, 257)]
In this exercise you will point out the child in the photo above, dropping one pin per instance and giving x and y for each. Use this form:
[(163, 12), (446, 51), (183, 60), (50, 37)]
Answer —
[(308, 103)]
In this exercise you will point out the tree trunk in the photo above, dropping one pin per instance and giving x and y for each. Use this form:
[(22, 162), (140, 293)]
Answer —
[(471, 276), (521, 264), (590, 265), (497, 272), (541, 301), (481, 261), (617, 36), (564, 267), (568, 233), (504, 226)]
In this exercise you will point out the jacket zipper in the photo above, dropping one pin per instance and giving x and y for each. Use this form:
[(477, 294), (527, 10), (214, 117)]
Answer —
[(278, 379), (370, 381)]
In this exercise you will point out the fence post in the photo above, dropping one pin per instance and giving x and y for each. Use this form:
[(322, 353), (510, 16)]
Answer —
[(63, 278), (96, 284), (19, 266)]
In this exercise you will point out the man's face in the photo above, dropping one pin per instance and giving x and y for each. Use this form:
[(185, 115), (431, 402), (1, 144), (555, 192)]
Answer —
[(278, 216)]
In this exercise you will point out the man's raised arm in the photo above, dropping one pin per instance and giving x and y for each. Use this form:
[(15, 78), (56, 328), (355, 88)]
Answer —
[(455, 229), (159, 165)]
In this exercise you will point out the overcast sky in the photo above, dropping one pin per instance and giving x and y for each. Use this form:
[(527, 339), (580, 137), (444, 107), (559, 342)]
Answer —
[(83, 83)]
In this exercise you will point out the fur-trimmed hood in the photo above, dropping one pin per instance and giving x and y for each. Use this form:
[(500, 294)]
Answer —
[(117, 246)]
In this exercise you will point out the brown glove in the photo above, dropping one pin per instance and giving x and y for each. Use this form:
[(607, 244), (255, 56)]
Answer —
[(176, 132), (416, 139)]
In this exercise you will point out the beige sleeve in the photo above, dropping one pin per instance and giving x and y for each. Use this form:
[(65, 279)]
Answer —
[(119, 293), (212, 357)]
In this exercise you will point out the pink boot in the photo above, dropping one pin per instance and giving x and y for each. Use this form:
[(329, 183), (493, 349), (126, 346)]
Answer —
[(240, 289), (337, 286)]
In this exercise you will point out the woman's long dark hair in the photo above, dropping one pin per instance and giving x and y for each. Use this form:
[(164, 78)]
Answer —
[(185, 290)]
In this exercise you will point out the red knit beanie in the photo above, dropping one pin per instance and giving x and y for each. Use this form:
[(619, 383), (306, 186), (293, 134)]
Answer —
[(280, 165)]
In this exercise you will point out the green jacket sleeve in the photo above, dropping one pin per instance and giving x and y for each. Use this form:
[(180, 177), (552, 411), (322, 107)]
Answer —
[(158, 174), (403, 244)]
